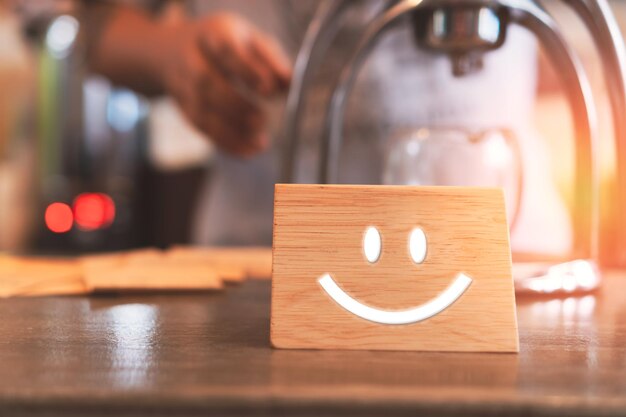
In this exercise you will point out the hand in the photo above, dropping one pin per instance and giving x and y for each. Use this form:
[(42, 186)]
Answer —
[(217, 68)]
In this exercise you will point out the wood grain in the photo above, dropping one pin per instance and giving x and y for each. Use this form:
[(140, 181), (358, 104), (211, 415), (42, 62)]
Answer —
[(233, 263), (39, 277), (232, 273), (319, 229), (147, 270)]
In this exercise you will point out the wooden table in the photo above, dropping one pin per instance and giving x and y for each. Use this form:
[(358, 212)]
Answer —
[(209, 354)]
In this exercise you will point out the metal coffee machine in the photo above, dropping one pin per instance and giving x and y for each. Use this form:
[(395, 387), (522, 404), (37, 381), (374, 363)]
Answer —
[(465, 31)]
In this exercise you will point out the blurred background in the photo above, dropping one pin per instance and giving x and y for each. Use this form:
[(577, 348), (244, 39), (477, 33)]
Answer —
[(87, 165), (82, 167)]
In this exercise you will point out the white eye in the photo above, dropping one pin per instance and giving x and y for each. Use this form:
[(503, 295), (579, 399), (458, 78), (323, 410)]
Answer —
[(372, 244), (417, 245)]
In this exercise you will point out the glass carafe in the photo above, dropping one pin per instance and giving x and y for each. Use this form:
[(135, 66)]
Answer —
[(455, 156)]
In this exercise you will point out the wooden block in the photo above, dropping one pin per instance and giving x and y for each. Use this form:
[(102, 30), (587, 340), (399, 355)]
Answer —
[(114, 259), (157, 277), (256, 260), (446, 288), (228, 272), (102, 268), (22, 277), (234, 263), (60, 285), (147, 270)]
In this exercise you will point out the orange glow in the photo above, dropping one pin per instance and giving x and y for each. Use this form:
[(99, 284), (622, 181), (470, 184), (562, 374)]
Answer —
[(59, 217), (93, 211)]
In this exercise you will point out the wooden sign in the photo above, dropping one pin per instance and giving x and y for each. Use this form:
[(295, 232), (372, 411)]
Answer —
[(393, 268)]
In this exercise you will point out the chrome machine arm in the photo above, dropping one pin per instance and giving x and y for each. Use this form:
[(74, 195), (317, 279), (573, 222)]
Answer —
[(530, 15), (578, 90), (597, 16), (319, 34)]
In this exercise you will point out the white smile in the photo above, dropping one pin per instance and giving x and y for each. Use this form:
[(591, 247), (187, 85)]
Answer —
[(412, 315)]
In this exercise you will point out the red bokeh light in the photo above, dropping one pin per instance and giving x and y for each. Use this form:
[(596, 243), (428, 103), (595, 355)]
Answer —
[(93, 211), (59, 217)]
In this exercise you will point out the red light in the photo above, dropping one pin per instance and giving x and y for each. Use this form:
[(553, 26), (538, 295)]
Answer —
[(59, 217), (93, 211)]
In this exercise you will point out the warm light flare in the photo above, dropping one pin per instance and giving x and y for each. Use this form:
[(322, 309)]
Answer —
[(59, 217), (94, 211)]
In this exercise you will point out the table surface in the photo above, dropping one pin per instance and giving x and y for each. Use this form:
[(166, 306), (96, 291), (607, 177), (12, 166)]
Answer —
[(198, 354)]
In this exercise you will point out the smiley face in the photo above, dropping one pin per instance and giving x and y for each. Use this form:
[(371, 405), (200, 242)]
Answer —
[(417, 250), (389, 267)]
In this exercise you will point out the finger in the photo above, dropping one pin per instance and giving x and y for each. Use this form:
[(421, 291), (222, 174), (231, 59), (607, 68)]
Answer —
[(230, 139), (233, 132), (220, 94), (225, 134), (233, 120), (268, 51), (220, 128), (236, 60)]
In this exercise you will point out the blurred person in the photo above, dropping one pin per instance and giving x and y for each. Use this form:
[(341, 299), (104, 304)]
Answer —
[(229, 59)]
